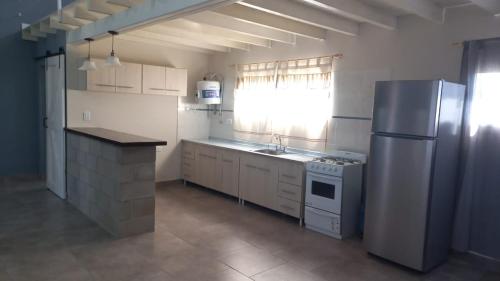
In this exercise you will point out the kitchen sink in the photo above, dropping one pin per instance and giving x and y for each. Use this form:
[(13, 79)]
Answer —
[(271, 151)]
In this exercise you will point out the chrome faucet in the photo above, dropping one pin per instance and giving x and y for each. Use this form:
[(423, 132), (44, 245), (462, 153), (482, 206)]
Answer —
[(279, 139)]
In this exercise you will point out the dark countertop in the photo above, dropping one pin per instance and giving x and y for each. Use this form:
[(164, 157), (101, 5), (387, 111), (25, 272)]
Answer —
[(115, 137)]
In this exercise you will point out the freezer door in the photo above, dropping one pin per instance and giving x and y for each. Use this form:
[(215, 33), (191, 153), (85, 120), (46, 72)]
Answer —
[(399, 174), (406, 107)]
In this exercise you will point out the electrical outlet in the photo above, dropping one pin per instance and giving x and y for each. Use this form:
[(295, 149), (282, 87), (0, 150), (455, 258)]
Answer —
[(228, 121), (86, 116), (159, 148)]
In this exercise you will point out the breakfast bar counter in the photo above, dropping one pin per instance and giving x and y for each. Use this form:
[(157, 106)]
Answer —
[(111, 178)]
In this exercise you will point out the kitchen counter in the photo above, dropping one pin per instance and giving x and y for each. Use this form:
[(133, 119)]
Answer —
[(111, 178), (294, 154), (115, 137)]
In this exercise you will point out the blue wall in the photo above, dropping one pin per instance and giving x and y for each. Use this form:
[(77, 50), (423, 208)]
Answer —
[(19, 98)]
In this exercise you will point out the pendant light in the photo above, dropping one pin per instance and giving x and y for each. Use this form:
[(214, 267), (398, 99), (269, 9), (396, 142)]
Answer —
[(112, 60), (88, 64)]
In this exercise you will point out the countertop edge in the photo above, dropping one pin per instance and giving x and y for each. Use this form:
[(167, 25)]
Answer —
[(280, 157), (115, 142)]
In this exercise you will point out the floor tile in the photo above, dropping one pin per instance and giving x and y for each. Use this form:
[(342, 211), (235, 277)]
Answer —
[(251, 263), (286, 272)]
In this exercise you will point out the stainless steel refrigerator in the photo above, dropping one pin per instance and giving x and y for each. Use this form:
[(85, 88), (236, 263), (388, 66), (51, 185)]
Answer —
[(412, 171)]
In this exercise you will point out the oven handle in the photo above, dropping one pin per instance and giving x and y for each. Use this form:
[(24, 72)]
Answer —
[(315, 175)]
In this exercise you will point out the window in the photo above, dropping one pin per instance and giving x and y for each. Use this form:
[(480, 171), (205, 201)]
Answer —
[(288, 98), (484, 110)]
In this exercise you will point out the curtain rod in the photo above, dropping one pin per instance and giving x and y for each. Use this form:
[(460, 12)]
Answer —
[(334, 56)]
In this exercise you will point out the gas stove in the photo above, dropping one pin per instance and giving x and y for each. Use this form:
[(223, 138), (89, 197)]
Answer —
[(334, 163), (333, 193)]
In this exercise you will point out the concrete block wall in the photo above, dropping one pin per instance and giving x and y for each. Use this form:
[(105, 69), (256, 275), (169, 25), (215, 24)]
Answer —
[(113, 185)]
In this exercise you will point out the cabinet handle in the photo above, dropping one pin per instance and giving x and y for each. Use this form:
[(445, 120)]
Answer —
[(105, 85), (125, 87), (288, 176), (227, 161), (187, 164), (286, 207), (164, 89), (288, 192), (187, 175), (250, 166), (207, 156), (264, 170)]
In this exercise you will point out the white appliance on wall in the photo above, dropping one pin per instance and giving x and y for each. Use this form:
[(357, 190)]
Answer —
[(209, 90), (54, 123), (333, 193)]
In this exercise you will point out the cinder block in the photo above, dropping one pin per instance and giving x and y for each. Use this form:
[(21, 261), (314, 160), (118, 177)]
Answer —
[(84, 144), (80, 158), (108, 185), (145, 171), (73, 169), (121, 210), (131, 155), (107, 168), (95, 147), (91, 162), (95, 180), (109, 151), (73, 140), (143, 207), (71, 153), (135, 190), (84, 175)]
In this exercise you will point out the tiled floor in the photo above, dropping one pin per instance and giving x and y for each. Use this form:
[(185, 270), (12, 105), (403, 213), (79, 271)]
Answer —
[(200, 235)]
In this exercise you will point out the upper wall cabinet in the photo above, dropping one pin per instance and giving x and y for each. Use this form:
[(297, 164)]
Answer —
[(135, 78), (160, 80), (153, 80), (129, 78), (103, 79), (124, 79)]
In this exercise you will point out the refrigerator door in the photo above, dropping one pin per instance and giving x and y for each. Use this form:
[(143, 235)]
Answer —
[(399, 173), (407, 107)]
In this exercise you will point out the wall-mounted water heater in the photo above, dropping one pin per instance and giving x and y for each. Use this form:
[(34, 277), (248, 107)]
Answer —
[(209, 92)]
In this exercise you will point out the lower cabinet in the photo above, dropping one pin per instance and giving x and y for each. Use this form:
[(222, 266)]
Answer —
[(267, 181), (258, 180), (207, 172), (228, 169)]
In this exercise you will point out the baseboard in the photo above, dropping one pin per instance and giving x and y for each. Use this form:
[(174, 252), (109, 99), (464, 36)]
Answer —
[(170, 182)]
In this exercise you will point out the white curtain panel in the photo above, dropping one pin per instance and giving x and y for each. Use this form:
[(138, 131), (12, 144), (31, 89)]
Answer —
[(289, 98)]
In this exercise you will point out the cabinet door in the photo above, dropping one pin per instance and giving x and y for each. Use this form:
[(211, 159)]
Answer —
[(207, 174), (189, 165), (103, 79), (258, 180), (176, 81), (153, 80), (129, 78), (228, 166)]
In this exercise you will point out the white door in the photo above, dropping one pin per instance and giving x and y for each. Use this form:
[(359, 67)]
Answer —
[(54, 124)]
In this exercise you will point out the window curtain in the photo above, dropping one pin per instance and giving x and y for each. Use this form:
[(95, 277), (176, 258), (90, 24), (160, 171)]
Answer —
[(303, 90), (254, 98), (477, 216), (289, 98)]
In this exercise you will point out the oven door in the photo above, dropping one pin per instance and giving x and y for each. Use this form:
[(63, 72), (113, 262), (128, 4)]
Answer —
[(324, 192)]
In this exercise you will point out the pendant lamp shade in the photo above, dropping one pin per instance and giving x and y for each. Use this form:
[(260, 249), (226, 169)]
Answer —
[(88, 64), (112, 60)]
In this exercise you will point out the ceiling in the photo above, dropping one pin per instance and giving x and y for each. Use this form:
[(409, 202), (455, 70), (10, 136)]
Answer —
[(255, 23)]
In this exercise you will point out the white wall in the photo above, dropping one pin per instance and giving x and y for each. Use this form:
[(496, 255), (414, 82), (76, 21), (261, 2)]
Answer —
[(419, 49), (152, 116)]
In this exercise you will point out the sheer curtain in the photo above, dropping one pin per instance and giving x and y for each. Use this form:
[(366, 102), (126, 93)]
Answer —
[(288, 98), (254, 98), (477, 220)]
